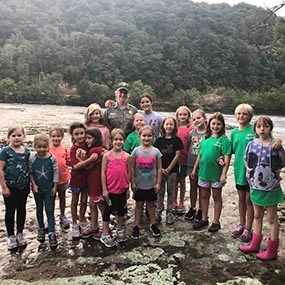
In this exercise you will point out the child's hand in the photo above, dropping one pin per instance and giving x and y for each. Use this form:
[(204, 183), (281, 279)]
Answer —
[(93, 157), (165, 171), (277, 144), (223, 179), (105, 194), (53, 191), (6, 192), (134, 187), (193, 174), (157, 187), (80, 154), (221, 160)]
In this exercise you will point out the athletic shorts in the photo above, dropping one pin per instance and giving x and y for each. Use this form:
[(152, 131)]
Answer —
[(182, 171), (209, 184), (148, 195), (118, 204), (242, 187), (79, 190)]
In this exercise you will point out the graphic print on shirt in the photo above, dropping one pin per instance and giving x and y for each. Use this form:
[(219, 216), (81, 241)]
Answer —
[(195, 142), (42, 173), (145, 165)]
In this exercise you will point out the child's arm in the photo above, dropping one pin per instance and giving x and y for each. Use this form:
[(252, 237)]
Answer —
[(195, 167), (158, 175), (277, 144), (172, 163), (103, 176), (129, 165), (84, 163), (34, 184), (5, 190), (55, 175), (133, 165), (223, 178)]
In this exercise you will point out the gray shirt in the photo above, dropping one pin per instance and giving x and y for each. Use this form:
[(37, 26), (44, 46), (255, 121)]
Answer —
[(146, 167)]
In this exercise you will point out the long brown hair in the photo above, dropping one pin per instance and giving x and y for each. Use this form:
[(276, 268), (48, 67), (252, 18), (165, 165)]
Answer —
[(218, 116)]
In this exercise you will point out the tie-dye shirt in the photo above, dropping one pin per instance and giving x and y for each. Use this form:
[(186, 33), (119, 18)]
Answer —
[(146, 167)]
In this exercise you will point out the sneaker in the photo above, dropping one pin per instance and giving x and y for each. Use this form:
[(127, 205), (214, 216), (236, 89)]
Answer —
[(121, 237), (136, 233), (88, 233), (52, 240), (108, 241), (174, 209), (75, 231), (41, 235), (214, 228), (64, 222), (12, 242), (181, 209), (97, 235), (198, 225), (190, 215), (83, 227), (21, 241), (246, 235), (237, 232), (155, 230), (198, 215), (169, 219)]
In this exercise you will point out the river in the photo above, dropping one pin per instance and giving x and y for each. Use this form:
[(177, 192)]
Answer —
[(39, 118)]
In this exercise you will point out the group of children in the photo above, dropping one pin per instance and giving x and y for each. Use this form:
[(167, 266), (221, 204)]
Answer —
[(154, 159)]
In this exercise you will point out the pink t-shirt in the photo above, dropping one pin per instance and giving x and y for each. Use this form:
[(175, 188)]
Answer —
[(183, 133), (117, 173), (63, 159)]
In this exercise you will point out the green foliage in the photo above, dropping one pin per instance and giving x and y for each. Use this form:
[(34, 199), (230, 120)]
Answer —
[(176, 49), (137, 89)]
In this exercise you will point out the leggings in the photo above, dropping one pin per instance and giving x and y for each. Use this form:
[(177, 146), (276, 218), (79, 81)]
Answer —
[(44, 199), (16, 202)]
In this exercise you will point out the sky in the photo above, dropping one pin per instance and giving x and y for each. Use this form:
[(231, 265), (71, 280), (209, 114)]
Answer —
[(262, 3)]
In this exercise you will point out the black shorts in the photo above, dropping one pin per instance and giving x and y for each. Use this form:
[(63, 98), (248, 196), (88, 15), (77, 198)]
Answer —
[(182, 172), (148, 195), (242, 187), (118, 204)]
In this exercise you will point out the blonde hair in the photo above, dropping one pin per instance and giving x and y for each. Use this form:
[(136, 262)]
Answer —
[(189, 115), (90, 109), (117, 131), (12, 129), (57, 130), (38, 138), (149, 128), (245, 107)]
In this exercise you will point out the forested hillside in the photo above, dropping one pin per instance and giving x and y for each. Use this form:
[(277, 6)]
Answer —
[(76, 51)]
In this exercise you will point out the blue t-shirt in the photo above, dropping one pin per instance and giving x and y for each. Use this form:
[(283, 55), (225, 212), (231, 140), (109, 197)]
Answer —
[(16, 169)]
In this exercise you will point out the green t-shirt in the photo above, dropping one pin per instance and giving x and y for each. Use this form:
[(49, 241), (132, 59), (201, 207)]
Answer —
[(239, 140), (132, 142), (210, 150)]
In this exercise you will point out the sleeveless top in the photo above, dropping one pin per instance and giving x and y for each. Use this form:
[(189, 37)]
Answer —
[(117, 173)]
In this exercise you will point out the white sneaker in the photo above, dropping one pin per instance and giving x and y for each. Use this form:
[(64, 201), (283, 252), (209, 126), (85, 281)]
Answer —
[(21, 240), (75, 231), (12, 242)]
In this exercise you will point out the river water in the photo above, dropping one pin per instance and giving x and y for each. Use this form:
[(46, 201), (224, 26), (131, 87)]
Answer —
[(39, 118)]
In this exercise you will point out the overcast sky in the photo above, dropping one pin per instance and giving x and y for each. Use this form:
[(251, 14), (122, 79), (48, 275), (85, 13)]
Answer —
[(261, 3)]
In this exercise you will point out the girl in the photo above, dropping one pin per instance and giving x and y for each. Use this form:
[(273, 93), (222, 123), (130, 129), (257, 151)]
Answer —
[(14, 181), (115, 186), (133, 140), (62, 157), (145, 179), (78, 180), (44, 178), (152, 118), (195, 137), (92, 164), (94, 119), (212, 175), (263, 165), (169, 145), (183, 117)]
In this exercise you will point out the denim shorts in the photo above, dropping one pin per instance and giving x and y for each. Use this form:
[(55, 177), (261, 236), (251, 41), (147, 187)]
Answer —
[(79, 190), (209, 184)]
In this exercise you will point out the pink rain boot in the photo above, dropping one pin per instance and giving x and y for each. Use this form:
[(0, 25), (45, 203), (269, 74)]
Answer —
[(271, 250), (253, 246)]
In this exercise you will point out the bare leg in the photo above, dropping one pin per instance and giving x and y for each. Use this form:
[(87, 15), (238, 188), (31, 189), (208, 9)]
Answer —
[(138, 212), (205, 196), (74, 203), (193, 192), (218, 204), (249, 212), (150, 206), (83, 206), (258, 219), (272, 218), (242, 206), (62, 202)]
